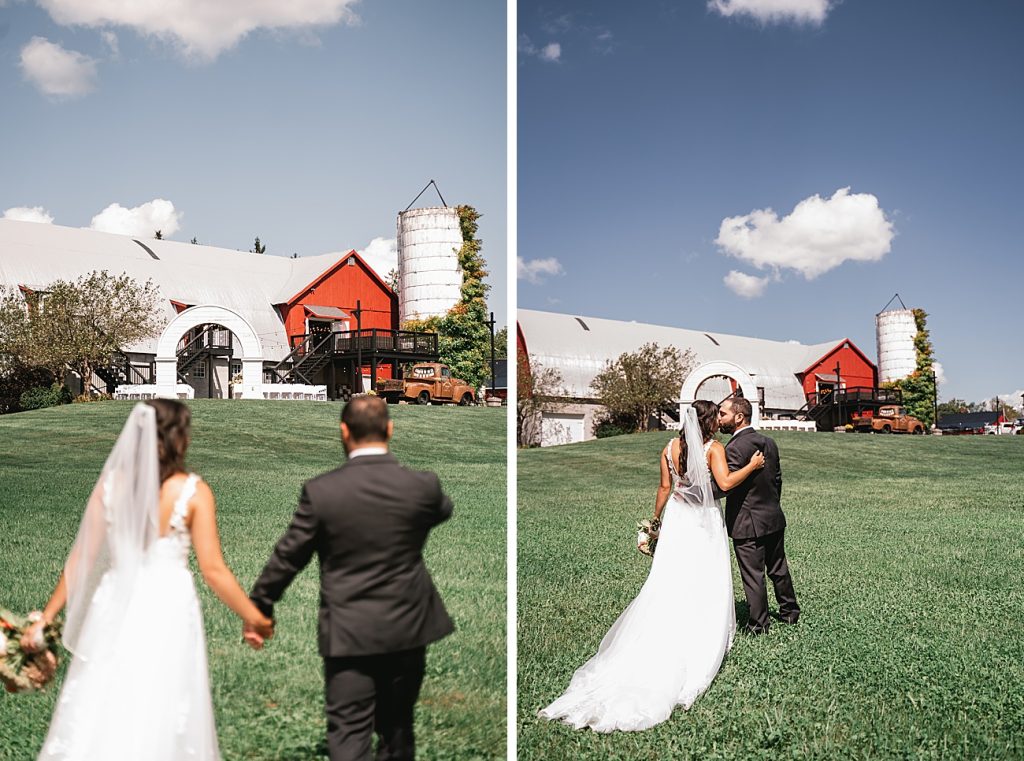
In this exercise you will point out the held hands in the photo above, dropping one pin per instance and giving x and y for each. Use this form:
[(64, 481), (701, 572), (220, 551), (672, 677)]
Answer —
[(757, 460), (257, 631)]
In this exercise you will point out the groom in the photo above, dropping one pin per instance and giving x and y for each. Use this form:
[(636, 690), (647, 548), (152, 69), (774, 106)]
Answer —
[(368, 522), (754, 519)]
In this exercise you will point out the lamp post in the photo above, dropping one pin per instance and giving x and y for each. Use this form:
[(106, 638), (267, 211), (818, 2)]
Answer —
[(490, 324), (935, 398)]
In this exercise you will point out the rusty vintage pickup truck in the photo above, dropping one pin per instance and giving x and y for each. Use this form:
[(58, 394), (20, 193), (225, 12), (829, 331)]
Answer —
[(428, 383), (889, 419)]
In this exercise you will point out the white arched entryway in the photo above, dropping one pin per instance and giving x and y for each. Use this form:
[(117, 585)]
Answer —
[(688, 395), (252, 349)]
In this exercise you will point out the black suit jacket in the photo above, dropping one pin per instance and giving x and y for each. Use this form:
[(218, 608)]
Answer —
[(752, 509), (367, 521)]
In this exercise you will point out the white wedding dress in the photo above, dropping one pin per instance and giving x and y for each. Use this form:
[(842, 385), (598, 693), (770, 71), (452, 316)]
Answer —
[(137, 687), (668, 644)]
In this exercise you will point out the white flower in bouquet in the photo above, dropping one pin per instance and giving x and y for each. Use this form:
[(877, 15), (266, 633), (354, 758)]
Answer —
[(3, 646)]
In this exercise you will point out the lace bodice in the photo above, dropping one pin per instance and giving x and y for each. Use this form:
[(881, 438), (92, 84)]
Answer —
[(680, 480), (177, 542)]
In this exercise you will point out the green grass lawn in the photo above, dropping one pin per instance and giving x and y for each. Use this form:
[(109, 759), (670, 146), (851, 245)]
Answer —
[(255, 455), (907, 555)]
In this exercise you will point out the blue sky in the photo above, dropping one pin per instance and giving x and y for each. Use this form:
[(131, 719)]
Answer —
[(310, 127), (665, 145)]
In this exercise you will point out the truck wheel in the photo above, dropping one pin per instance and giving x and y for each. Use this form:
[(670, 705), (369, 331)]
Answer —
[(423, 398), (886, 429), (918, 431), (466, 400), (391, 399)]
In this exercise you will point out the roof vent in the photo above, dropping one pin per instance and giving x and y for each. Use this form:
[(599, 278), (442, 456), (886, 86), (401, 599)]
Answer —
[(147, 249), (582, 323), (351, 262), (712, 340)]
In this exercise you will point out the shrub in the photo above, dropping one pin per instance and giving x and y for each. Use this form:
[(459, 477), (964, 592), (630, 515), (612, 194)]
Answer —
[(607, 428), (39, 397), (16, 381), (98, 397)]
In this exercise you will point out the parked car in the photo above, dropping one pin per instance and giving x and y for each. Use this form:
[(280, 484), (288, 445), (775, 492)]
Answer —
[(1005, 428)]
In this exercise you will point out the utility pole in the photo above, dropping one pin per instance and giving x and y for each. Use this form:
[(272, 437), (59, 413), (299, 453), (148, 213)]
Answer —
[(490, 324)]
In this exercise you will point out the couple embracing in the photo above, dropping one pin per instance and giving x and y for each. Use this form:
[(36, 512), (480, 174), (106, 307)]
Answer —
[(682, 622), (138, 687)]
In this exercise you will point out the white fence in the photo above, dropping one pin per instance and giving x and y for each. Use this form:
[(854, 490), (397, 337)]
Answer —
[(268, 390), (787, 425)]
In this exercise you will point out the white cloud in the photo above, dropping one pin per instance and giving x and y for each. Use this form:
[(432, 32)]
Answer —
[(201, 29), (747, 286), (940, 373), (552, 52), (55, 71), (382, 255), (817, 236), (535, 270), (110, 39), (139, 222), (811, 12), (29, 214)]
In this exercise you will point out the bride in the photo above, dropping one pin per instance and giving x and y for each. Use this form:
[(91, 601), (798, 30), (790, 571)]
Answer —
[(669, 642), (137, 686)]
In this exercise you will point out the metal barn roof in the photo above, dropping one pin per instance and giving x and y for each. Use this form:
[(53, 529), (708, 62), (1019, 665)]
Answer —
[(33, 255), (579, 347)]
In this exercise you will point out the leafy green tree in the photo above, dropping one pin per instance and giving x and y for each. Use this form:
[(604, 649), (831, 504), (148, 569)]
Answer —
[(392, 279), (919, 387), (641, 384), (258, 248), (78, 325), (464, 340), (158, 234)]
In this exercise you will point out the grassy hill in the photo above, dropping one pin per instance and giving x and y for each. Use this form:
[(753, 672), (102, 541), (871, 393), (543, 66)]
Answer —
[(255, 455), (906, 554)]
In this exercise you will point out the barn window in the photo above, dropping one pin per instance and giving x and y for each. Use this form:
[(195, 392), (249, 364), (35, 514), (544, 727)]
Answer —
[(582, 323), (199, 371), (236, 368), (351, 261), (760, 395)]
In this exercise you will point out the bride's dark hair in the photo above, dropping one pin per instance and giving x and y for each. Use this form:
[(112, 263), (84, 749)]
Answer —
[(173, 427), (707, 414)]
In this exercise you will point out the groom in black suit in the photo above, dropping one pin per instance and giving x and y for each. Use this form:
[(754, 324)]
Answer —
[(368, 522), (754, 519)]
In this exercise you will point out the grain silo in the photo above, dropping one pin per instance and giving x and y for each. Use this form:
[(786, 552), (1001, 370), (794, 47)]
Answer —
[(429, 276), (895, 330)]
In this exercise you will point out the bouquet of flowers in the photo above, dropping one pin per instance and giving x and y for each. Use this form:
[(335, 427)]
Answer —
[(21, 671), (647, 536)]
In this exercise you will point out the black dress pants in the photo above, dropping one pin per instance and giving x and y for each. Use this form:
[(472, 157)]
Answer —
[(373, 693), (755, 557)]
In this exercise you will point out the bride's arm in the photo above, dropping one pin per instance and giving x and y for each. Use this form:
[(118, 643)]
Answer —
[(720, 468), (664, 488), (216, 573)]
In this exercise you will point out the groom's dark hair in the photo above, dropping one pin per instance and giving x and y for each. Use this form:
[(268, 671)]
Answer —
[(742, 406), (366, 417)]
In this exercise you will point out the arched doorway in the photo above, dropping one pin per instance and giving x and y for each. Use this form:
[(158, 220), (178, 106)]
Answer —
[(209, 314), (710, 370)]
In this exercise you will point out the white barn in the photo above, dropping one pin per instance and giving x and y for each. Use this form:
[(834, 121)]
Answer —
[(775, 375), (278, 297)]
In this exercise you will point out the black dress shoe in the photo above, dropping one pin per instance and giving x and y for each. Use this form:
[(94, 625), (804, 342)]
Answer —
[(755, 630)]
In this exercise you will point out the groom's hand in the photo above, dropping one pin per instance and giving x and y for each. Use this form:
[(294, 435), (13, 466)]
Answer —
[(255, 633)]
